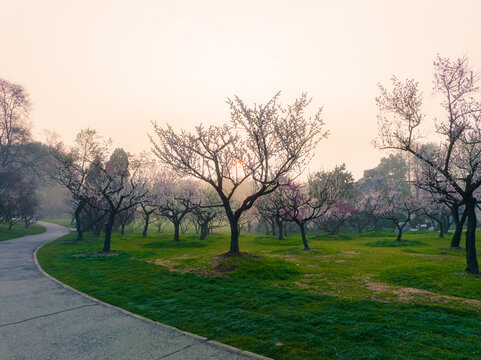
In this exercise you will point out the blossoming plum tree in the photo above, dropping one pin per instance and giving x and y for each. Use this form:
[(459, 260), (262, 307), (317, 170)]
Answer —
[(266, 143), (456, 161)]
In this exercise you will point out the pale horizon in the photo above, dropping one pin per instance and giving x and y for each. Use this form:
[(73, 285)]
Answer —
[(118, 65)]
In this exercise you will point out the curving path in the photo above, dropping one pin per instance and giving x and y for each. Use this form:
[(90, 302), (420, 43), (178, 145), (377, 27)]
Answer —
[(41, 318)]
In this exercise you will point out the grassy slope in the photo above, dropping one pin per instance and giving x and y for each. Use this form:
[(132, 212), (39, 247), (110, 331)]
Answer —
[(19, 230), (289, 304), (63, 221)]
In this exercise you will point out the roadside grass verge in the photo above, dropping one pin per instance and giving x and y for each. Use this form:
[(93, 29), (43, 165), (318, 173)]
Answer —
[(63, 221), (19, 230), (283, 302)]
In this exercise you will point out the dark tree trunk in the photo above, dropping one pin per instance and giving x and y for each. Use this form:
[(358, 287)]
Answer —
[(471, 258), (456, 240), (302, 226), (78, 225), (108, 232), (80, 234), (176, 230), (400, 233), (234, 238), (97, 229), (204, 230), (280, 228), (359, 229), (146, 224), (442, 230), (234, 231), (122, 228), (10, 226)]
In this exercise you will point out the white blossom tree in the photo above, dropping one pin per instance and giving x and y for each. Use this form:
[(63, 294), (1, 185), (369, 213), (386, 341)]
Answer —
[(149, 175), (176, 198), (366, 203), (434, 207), (266, 143), (398, 207), (207, 213)]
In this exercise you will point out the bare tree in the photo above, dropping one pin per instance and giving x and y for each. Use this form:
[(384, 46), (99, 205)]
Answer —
[(15, 108), (19, 201), (456, 161), (20, 157), (266, 143)]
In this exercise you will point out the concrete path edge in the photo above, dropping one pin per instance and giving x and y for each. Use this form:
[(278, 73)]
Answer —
[(213, 342)]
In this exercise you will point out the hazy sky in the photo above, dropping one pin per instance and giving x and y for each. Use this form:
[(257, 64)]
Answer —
[(117, 65)]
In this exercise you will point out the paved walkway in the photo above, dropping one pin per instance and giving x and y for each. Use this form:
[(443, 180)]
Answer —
[(41, 319)]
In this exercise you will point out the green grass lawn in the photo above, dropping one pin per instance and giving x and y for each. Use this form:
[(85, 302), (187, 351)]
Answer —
[(351, 297), (19, 230), (64, 221)]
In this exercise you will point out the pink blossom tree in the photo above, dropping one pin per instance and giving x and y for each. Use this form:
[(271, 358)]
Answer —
[(265, 143), (335, 217), (300, 208), (456, 160)]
